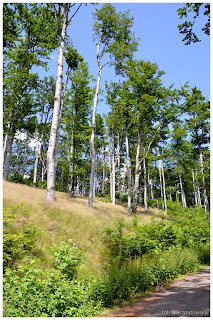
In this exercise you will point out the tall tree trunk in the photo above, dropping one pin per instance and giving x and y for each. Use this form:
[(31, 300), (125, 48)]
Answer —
[(5, 142), (137, 173), (95, 179), (8, 155), (25, 155), (151, 195), (92, 140), (71, 164), (128, 172), (194, 188), (145, 183), (110, 172), (38, 152), (205, 196), (113, 168), (103, 178), (17, 157), (182, 193), (198, 191), (119, 169), (164, 188), (161, 188), (55, 120), (68, 73)]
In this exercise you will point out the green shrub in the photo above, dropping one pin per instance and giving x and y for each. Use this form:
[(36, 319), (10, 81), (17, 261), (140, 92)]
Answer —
[(32, 292), (19, 178), (41, 184), (121, 282), (67, 258)]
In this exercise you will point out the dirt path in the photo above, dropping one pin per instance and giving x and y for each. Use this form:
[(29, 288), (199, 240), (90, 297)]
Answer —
[(188, 297)]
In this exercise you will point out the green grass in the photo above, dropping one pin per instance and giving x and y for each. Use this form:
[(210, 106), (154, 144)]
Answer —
[(111, 258)]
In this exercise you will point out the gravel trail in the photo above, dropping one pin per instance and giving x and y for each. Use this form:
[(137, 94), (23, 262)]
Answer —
[(188, 297)]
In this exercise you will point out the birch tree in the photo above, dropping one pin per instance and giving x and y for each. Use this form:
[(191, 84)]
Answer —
[(116, 42), (62, 29)]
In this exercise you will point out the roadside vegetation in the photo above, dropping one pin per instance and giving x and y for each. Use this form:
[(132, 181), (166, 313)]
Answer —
[(72, 261)]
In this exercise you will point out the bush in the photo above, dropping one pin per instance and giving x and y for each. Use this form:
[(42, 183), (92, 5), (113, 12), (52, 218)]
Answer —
[(41, 184), (67, 258), (141, 274), (32, 292), (19, 178)]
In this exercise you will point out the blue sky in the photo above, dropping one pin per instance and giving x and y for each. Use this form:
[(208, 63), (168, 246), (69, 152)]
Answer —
[(156, 25)]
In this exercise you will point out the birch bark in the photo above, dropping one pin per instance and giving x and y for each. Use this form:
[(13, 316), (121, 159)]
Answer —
[(145, 183), (119, 169), (137, 173), (113, 168), (164, 188), (25, 155), (161, 189), (198, 191), (55, 120), (8, 155), (128, 172), (17, 157), (182, 193), (92, 140), (194, 187)]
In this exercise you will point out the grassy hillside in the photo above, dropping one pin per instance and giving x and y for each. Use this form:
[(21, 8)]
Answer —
[(110, 258), (68, 218)]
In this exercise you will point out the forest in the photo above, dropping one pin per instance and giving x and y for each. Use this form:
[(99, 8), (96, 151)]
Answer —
[(150, 151)]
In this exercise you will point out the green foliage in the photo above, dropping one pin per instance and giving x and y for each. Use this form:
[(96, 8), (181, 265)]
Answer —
[(141, 274), (137, 258), (67, 258), (41, 184), (189, 228), (18, 178), (33, 292), (18, 242), (187, 27)]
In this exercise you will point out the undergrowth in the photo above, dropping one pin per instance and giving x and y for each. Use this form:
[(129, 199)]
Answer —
[(136, 258)]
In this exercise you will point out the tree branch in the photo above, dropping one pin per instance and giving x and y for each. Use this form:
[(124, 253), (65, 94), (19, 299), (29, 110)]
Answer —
[(75, 12)]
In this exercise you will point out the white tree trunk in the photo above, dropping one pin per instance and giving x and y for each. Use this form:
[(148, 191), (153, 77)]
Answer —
[(128, 172), (145, 183), (161, 189), (55, 120), (182, 193), (205, 196), (5, 142), (119, 169), (113, 168), (194, 188), (38, 152), (95, 179), (164, 188), (198, 191), (71, 164), (92, 140), (110, 171), (17, 157), (25, 155), (68, 73), (103, 178), (137, 174), (8, 156)]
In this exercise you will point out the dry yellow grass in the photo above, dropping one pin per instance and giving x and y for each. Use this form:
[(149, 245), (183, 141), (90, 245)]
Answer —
[(70, 218)]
